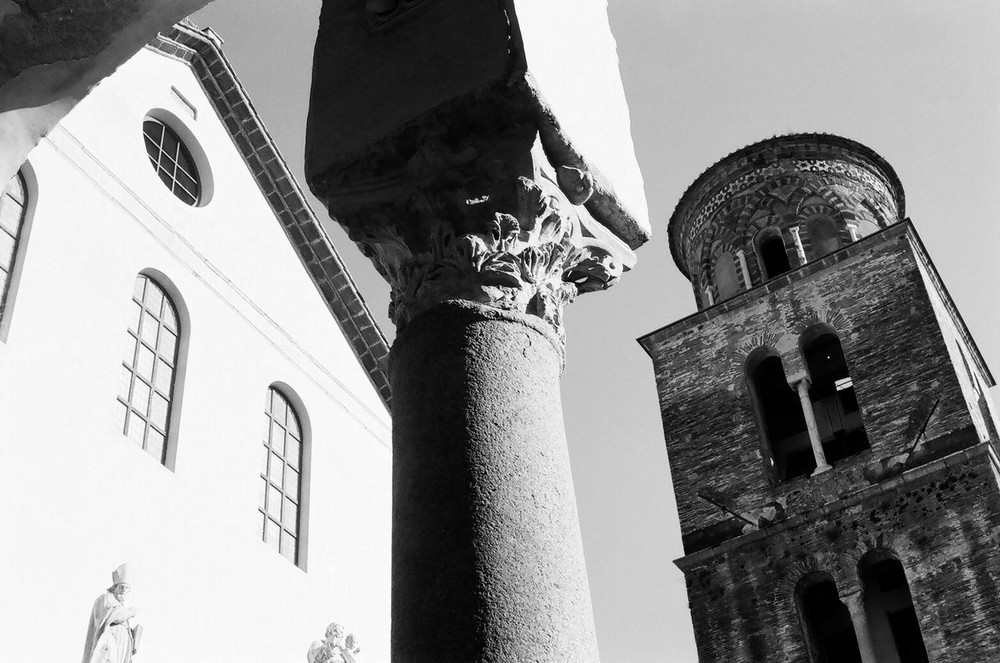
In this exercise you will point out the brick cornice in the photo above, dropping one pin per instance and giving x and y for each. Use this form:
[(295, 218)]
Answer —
[(202, 51)]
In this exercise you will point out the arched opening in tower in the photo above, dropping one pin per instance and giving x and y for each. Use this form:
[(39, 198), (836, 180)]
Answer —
[(891, 616), (780, 414), (835, 402), (828, 624), (823, 235), (773, 256)]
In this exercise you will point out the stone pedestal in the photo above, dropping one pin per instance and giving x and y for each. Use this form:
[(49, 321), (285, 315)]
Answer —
[(487, 557)]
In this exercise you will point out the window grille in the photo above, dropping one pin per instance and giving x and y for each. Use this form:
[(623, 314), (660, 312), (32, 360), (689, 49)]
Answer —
[(280, 495), (149, 368), (172, 161)]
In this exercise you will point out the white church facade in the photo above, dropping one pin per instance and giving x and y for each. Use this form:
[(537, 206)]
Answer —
[(189, 382)]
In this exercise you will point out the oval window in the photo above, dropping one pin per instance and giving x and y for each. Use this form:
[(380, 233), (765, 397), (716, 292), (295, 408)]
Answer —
[(172, 161)]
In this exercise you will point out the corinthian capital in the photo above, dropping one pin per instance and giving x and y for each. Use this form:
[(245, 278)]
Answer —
[(444, 162), (532, 253), (466, 203)]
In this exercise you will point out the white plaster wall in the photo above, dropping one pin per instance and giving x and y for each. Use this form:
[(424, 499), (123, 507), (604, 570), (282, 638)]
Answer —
[(573, 56), (79, 498)]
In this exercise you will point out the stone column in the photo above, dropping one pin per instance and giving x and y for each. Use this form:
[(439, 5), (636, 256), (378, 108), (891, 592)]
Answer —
[(859, 616), (487, 557), (433, 147), (807, 410), (487, 560)]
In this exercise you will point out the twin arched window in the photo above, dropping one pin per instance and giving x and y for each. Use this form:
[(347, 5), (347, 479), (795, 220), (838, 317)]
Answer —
[(827, 397), (886, 610)]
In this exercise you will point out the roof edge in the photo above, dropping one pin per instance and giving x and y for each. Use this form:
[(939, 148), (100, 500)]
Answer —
[(201, 50)]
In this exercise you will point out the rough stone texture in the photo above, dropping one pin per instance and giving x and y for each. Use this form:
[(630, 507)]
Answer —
[(873, 293), (942, 521), (487, 556), (937, 511)]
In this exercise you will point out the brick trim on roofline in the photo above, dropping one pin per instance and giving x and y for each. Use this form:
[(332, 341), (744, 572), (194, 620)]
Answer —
[(311, 242)]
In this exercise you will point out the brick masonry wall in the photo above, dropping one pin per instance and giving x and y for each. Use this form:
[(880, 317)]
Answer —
[(942, 521), (874, 295)]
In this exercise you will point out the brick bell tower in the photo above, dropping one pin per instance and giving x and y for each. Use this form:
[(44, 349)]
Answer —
[(831, 439)]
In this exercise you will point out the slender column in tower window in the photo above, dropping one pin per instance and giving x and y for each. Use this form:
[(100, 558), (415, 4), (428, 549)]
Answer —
[(810, 416), (149, 368), (280, 495), (783, 425), (745, 269), (13, 203), (834, 401), (827, 621), (856, 604), (797, 239)]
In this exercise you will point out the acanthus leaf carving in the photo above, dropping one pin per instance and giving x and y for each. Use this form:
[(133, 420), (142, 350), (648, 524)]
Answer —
[(478, 215)]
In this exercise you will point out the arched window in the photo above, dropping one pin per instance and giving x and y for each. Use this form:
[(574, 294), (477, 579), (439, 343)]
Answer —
[(780, 414), (772, 254), (280, 498), (834, 400), (892, 619), (149, 368), (726, 279), (823, 235), (829, 629), (13, 203)]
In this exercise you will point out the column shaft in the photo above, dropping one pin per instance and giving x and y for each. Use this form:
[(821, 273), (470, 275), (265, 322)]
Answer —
[(812, 427), (487, 560), (859, 616)]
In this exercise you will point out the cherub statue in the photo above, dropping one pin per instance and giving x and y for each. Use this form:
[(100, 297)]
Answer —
[(335, 648)]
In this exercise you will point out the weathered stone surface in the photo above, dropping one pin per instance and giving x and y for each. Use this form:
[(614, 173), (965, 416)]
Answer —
[(487, 556), (943, 525), (874, 295), (925, 491)]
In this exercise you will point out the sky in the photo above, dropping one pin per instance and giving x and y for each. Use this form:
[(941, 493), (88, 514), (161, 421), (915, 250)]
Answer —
[(915, 81)]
